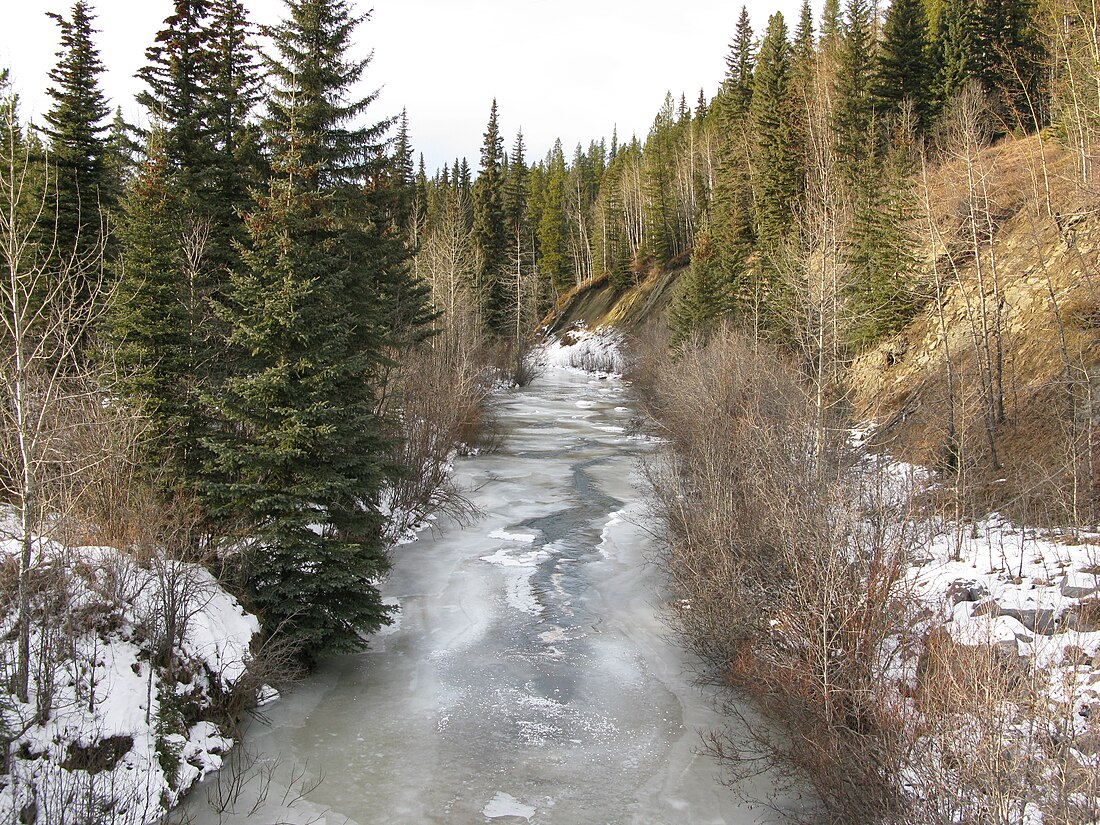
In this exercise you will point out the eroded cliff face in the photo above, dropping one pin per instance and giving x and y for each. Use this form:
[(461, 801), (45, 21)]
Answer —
[(999, 376)]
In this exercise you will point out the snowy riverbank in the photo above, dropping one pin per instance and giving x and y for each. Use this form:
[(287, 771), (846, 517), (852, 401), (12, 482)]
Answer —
[(131, 661)]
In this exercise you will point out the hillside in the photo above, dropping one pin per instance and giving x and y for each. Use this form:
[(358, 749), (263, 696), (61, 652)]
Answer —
[(1039, 320)]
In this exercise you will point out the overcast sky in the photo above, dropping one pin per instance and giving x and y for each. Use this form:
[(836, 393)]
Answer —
[(572, 69)]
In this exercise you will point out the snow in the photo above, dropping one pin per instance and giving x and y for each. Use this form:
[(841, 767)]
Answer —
[(104, 739), (580, 349)]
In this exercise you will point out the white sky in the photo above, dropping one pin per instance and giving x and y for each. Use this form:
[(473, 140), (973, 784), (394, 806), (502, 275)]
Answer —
[(572, 69)]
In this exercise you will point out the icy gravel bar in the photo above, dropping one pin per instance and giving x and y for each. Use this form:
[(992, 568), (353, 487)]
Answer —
[(529, 676)]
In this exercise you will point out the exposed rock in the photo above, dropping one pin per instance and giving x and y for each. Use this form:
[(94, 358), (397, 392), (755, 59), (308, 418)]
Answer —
[(1078, 585), (966, 590)]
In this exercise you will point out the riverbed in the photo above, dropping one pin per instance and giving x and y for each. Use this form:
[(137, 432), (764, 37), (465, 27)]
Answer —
[(529, 674)]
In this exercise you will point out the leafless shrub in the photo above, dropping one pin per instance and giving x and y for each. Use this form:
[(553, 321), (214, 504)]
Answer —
[(788, 554), (441, 400)]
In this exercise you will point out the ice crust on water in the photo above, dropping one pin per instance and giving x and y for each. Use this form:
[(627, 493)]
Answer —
[(507, 805), (504, 535)]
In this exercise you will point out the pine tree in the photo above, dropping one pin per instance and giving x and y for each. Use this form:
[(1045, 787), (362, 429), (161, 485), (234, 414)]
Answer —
[(490, 230), (903, 72), (302, 462), (76, 129), (778, 170)]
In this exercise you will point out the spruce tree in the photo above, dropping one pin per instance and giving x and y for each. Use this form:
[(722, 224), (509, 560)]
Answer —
[(903, 72), (778, 170), (854, 115), (736, 89), (956, 48), (404, 179), (232, 92), (76, 131), (490, 230), (831, 24), (150, 321), (697, 306), (880, 294), (553, 264), (804, 40), (731, 208), (178, 77), (1011, 58), (301, 464), (122, 155)]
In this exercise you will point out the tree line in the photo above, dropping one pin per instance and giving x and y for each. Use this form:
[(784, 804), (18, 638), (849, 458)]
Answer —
[(241, 276), (800, 161)]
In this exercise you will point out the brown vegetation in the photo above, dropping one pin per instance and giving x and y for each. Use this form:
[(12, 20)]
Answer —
[(789, 556)]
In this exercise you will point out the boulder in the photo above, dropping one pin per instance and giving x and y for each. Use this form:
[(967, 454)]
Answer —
[(965, 590), (1078, 585)]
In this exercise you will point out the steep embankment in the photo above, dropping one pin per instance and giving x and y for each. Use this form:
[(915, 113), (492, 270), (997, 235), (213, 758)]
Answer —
[(1007, 351), (601, 303)]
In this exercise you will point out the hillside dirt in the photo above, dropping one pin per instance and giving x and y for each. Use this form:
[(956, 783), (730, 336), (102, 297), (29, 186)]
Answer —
[(1027, 310)]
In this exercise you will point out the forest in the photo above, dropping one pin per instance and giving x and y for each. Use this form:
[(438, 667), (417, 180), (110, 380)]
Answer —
[(244, 344)]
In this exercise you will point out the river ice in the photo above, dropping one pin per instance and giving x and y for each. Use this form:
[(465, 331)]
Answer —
[(529, 676)]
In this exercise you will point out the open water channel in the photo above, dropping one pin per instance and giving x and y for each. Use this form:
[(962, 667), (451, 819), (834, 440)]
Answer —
[(529, 675)]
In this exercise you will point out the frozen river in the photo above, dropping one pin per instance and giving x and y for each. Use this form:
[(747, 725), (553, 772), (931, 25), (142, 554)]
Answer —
[(529, 676)]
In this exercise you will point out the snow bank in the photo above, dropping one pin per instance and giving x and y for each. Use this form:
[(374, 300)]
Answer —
[(581, 349), (117, 723)]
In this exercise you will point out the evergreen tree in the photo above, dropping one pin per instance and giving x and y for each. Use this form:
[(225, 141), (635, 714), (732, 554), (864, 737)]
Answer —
[(731, 208), (404, 181), (737, 86), (854, 116), (178, 77), (515, 188), (956, 48), (697, 306), (831, 24), (76, 129), (663, 240), (301, 465), (778, 170), (122, 155), (804, 39), (553, 263), (1010, 59), (490, 230), (231, 96), (152, 317), (903, 71), (882, 258)]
